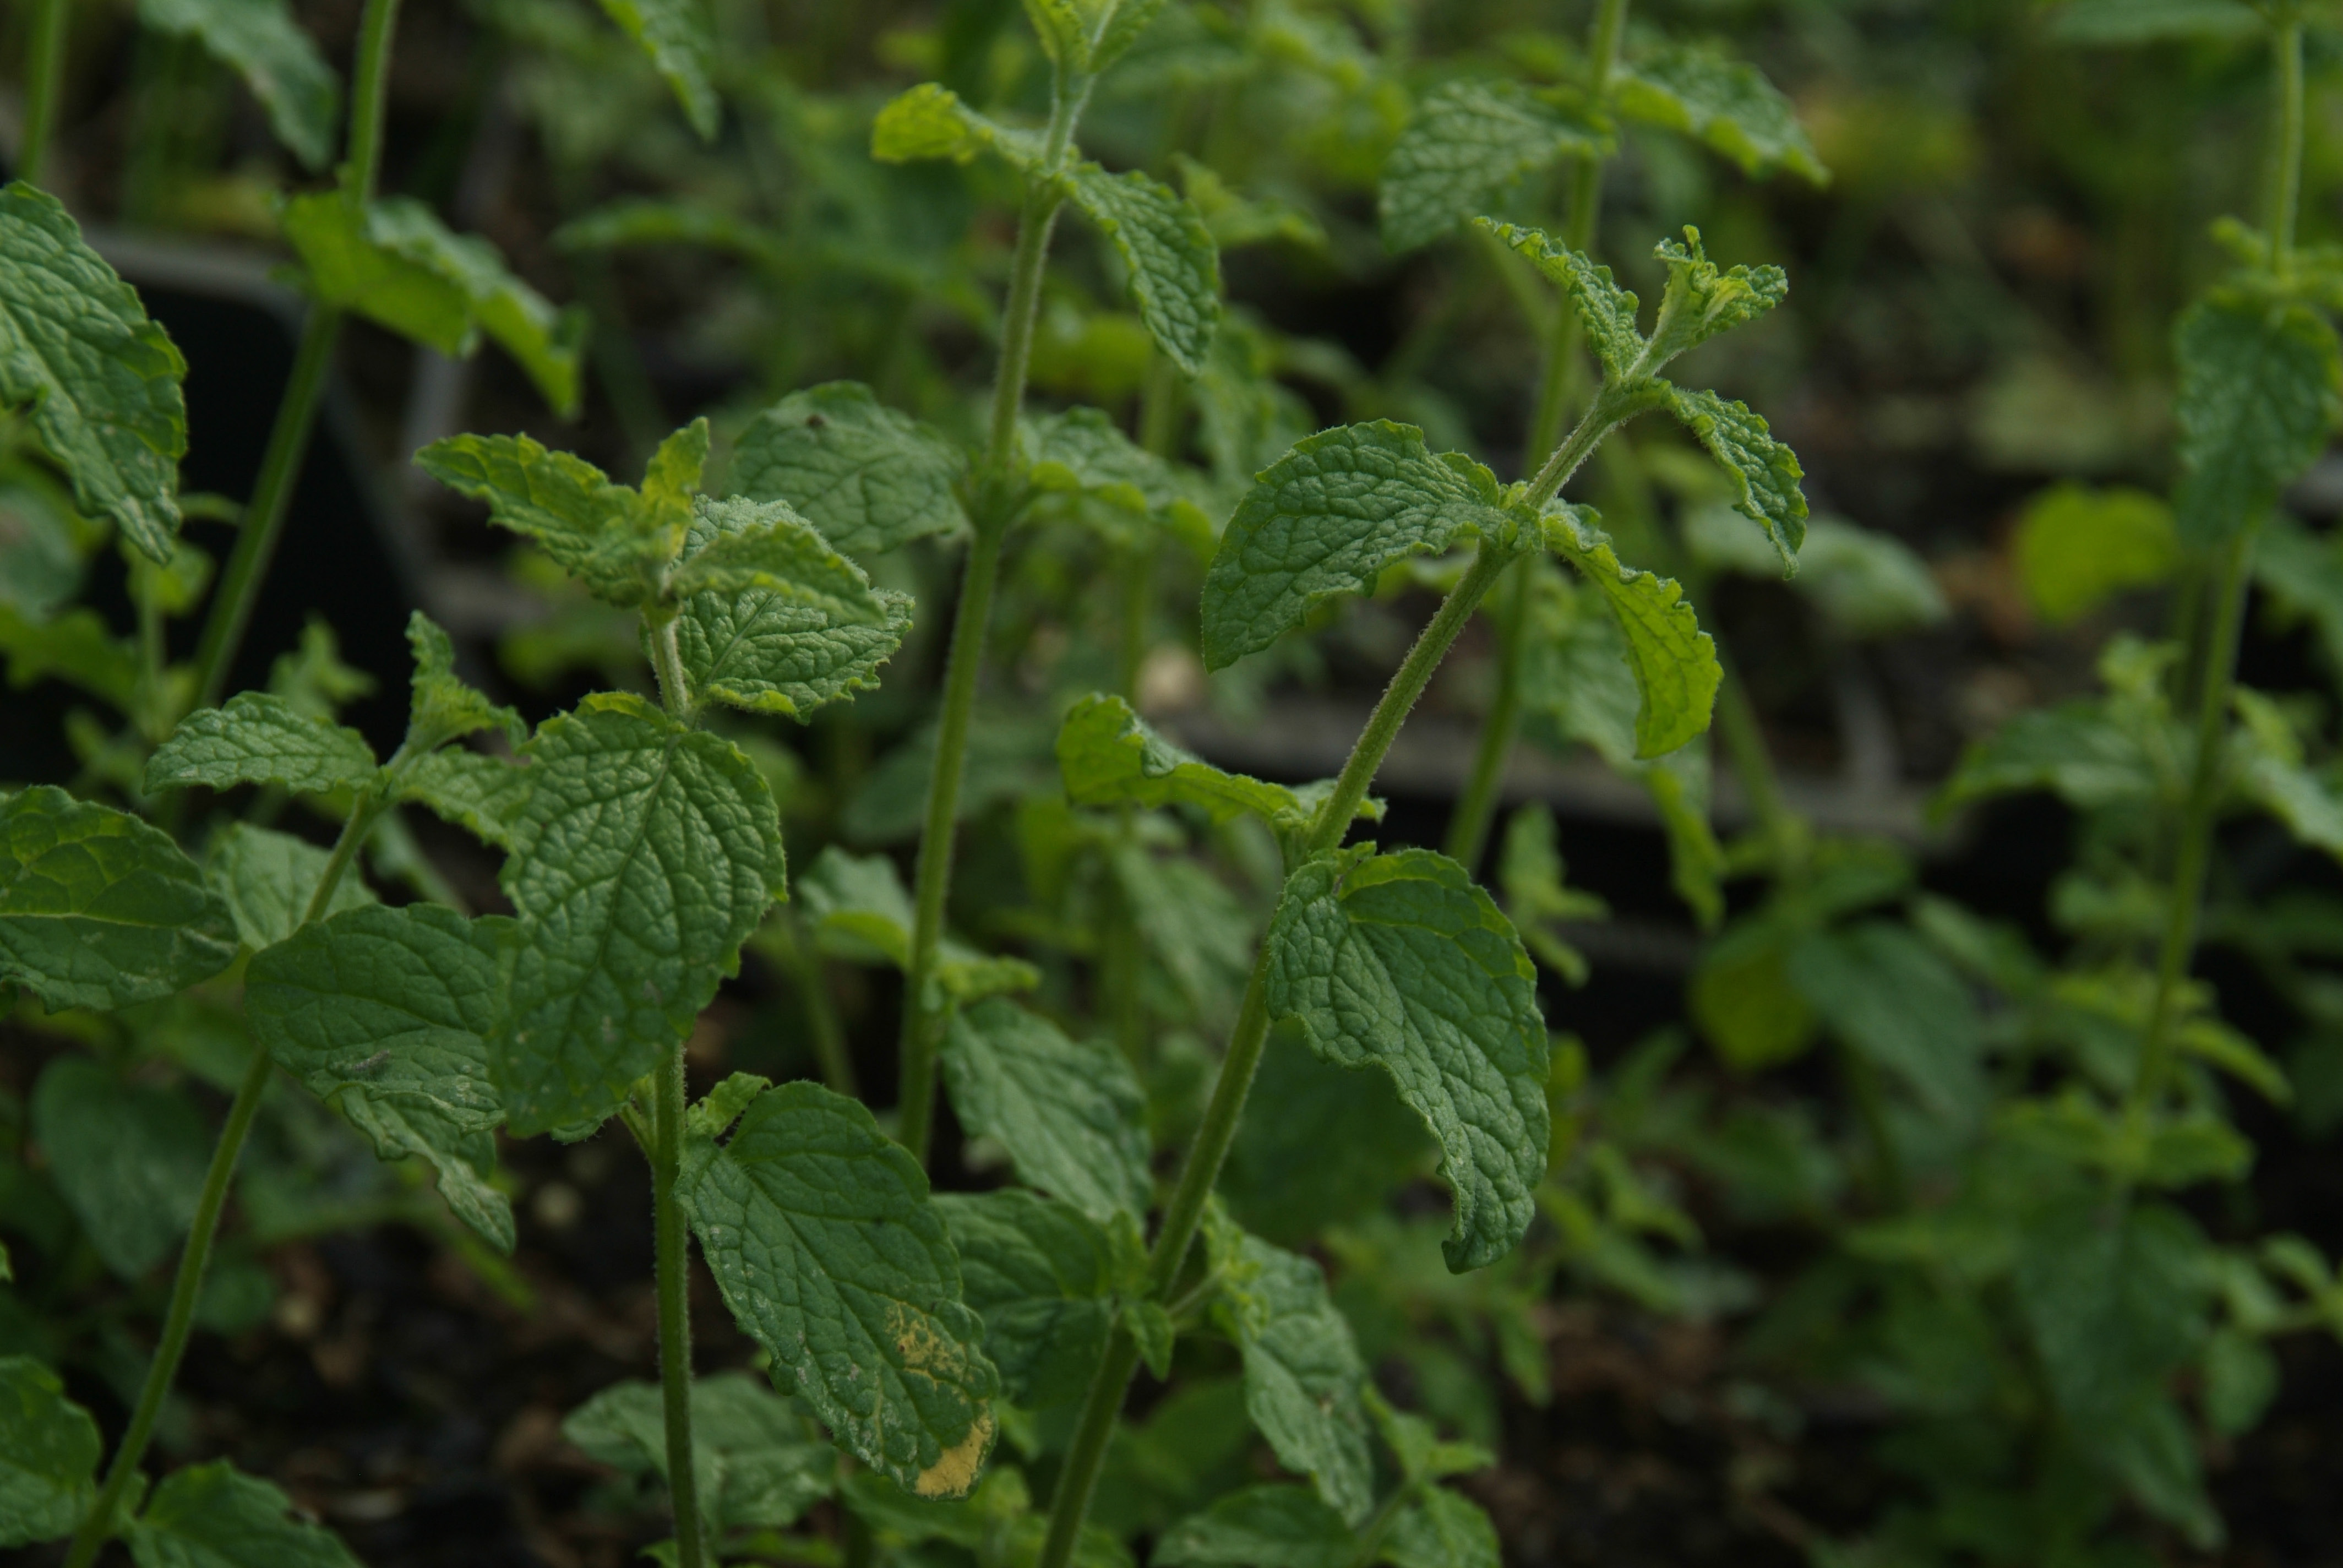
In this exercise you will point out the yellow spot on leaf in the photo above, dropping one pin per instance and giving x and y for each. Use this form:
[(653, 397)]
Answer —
[(955, 1472)]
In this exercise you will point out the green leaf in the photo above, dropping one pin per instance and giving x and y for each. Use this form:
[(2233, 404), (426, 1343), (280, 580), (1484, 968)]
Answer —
[(1703, 300), (1073, 1117), (1109, 756), (1728, 104), (1274, 1526), (1606, 310), (128, 1160), (1336, 1147), (2241, 1380), (479, 793), (1401, 961), (616, 541), (384, 1014), (1466, 143), (1764, 473), (859, 909), (1196, 929), (822, 1240), (2078, 546), (77, 647), (757, 1464), (644, 857), (1042, 1276), (1302, 1374), (440, 707), (2146, 21), (2077, 749), (871, 478), (263, 44), (1082, 451), (259, 738), (1153, 1330), (99, 910), (102, 380), (393, 261), (1887, 994), (209, 1516), (266, 878), (2260, 394), (680, 36), (1326, 518), (1442, 1529), (1173, 266), (48, 1455), (1672, 660), (1416, 1444), (774, 621), (2115, 1304), (931, 122)]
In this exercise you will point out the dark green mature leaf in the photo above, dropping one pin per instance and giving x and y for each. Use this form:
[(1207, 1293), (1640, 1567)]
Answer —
[(210, 1516), (266, 878), (259, 738), (680, 36), (2146, 21), (871, 478), (644, 857), (1108, 756), (822, 1240), (757, 1464), (1764, 473), (2116, 1302), (931, 122), (1326, 518), (99, 910), (1672, 660), (48, 1454), (440, 707), (128, 1160), (1337, 1146), (1889, 996), (1189, 920), (1465, 144), (1726, 104), (1041, 1275), (2260, 394), (1073, 1117), (1302, 1374), (1275, 1526), (1083, 451), (265, 45), (384, 1014), (1606, 310), (101, 379), (1442, 1529), (774, 619), (1173, 266), (1401, 961)]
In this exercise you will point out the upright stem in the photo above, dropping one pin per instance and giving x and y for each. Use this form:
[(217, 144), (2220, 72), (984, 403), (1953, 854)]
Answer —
[(369, 92), (674, 1305), (2286, 162), (44, 76), (179, 1318), (1753, 765), (1476, 809)]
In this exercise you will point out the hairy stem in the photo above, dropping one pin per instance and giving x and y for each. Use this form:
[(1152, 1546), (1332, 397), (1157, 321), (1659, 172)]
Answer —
[(667, 660), (674, 1265), (45, 80)]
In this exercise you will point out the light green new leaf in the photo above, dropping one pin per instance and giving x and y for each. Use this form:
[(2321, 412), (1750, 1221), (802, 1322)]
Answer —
[(1168, 254), (440, 707), (101, 380), (478, 793), (931, 122), (384, 1014), (1302, 1373), (1465, 145), (1606, 310), (819, 1230), (1401, 961), (1442, 1529), (1673, 661), (757, 1465), (859, 911), (2123, 21), (871, 478), (644, 856), (1702, 299), (1726, 104), (99, 910), (2076, 547), (210, 1516), (1274, 1526), (48, 1454), (128, 1160), (259, 739), (2260, 394), (1042, 1278), (616, 541), (1764, 473), (266, 878), (263, 44), (1109, 756), (1326, 518), (1073, 1117), (680, 36)]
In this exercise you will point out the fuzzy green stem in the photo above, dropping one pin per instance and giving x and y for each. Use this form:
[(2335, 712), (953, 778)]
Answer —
[(2286, 162), (1476, 809), (674, 1278), (667, 660), (44, 73), (369, 92)]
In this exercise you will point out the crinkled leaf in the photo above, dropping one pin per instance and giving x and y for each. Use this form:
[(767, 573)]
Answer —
[(263, 44), (821, 1237), (102, 380), (479, 793), (1042, 1276), (1326, 518), (1173, 267), (931, 122), (1275, 1526), (1890, 997), (99, 910), (1465, 144), (680, 36), (644, 856), (2260, 394), (1072, 1116), (1606, 310), (128, 1160), (259, 739), (266, 878), (1673, 661), (871, 478), (1108, 756), (48, 1455), (440, 707), (1764, 473), (212, 1516), (1724, 102), (1442, 1529), (757, 1464), (1702, 299)]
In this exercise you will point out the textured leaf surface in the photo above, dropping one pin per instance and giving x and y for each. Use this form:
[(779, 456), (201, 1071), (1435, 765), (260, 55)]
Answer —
[(1108, 755), (869, 478), (2260, 394), (102, 380), (266, 878), (1276, 1526), (776, 620), (1702, 299), (1606, 310), (48, 1454), (1042, 1276), (1465, 145), (822, 1240), (474, 792), (128, 1160), (210, 1516), (440, 707), (1326, 518), (1399, 960), (680, 36), (260, 738), (1072, 1116), (1764, 473), (1726, 104), (931, 122), (644, 857), (1442, 1529), (263, 44), (1173, 266), (1672, 660), (99, 910), (757, 1465)]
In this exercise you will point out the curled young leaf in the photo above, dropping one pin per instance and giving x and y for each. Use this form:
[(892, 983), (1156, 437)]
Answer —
[(440, 707), (1606, 310), (1764, 473)]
